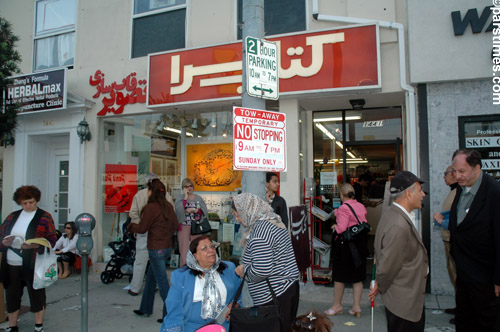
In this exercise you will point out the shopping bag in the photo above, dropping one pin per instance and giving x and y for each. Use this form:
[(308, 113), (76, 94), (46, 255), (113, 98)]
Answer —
[(45, 269)]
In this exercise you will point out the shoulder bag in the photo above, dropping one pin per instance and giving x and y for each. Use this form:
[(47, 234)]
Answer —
[(258, 318), (200, 226), (352, 232)]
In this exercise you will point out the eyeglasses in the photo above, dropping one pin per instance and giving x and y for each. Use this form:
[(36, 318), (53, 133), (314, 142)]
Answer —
[(67, 227), (189, 186), (212, 246)]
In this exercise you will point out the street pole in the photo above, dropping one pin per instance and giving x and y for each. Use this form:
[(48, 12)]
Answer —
[(253, 25), (85, 291)]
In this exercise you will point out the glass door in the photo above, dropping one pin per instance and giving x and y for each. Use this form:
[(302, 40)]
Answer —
[(61, 206)]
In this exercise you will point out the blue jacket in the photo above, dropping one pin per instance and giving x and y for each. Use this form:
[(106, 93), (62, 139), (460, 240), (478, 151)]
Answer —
[(179, 301)]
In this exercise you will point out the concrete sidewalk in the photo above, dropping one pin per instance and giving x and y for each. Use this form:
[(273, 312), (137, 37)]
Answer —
[(110, 308)]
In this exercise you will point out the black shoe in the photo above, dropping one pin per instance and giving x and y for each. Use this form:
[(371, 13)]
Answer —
[(132, 293), (160, 320), (452, 321), (140, 313), (450, 311)]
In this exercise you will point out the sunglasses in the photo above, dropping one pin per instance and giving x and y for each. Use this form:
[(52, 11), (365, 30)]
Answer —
[(189, 186), (67, 227)]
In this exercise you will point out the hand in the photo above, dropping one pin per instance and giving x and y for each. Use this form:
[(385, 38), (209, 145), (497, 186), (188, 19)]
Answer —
[(30, 246), (334, 227), (58, 252), (186, 193), (268, 195), (8, 242), (438, 217), (239, 270), (373, 291), (497, 291)]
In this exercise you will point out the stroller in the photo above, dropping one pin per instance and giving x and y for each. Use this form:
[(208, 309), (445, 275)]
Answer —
[(123, 254)]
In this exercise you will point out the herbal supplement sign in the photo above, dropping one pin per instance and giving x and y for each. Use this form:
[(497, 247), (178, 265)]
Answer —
[(262, 68), (259, 140)]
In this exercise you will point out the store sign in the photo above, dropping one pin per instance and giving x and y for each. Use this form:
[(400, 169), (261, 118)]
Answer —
[(259, 141), (314, 62), (42, 91), (116, 96), (262, 68), (482, 133)]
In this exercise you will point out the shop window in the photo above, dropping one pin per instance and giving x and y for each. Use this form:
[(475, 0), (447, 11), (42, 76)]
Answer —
[(280, 16), (54, 34), (158, 25)]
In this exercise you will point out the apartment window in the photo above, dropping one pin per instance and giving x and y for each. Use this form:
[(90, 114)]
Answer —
[(158, 25), (280, 16), (54, 33)]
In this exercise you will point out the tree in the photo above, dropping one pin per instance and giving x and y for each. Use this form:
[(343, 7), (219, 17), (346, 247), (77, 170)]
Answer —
[(9, 65)]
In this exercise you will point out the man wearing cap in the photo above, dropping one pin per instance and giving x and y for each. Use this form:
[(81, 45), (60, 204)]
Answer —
[(475, 244), (401, 258), (141, 251)]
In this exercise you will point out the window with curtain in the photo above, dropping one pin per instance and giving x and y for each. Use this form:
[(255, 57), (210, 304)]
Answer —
[(54, 33), (158, 25)]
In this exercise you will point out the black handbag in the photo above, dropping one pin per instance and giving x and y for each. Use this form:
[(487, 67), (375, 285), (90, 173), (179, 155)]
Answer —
[(352, 232), (254, 319), (200, 226)]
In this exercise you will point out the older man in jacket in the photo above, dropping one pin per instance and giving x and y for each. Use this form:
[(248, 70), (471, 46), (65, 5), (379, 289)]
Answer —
[(402, 262)]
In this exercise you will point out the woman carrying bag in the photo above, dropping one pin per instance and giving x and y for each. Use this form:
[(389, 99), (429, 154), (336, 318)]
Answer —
[(349, 256), (268, 260)]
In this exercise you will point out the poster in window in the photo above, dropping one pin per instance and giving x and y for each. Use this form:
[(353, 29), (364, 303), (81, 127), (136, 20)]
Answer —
[(120, 187), (210, 166), (482, 133), (157, 166)]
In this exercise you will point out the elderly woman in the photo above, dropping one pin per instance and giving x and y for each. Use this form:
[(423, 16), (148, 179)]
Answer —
[(159, 220), (346, 269), (268, 254), (18, 260), (188, 207), (201, 289), (66, 249)]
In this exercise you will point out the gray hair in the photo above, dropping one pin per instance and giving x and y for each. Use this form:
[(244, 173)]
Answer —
[(402, 193)]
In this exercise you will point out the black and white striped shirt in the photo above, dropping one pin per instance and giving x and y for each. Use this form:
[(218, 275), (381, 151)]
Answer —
[(269, 254)]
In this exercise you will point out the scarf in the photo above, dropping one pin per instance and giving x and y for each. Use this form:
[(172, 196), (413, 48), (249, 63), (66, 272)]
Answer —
[(211, 305), (251, 209)]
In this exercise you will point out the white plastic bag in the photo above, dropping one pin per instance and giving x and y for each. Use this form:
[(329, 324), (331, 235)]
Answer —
[(45, 269)]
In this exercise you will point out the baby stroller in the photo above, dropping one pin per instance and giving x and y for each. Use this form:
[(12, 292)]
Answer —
[(123, 254)]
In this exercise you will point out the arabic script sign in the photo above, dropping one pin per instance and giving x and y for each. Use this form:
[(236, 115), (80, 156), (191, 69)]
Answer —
[(120, 187), (42, 91), (259, 140), (262, 68), (117, 99), (337, 59)]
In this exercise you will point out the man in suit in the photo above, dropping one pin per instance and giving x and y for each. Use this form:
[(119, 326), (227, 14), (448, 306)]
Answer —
[(402, 262), (278, 203), (475, 244)]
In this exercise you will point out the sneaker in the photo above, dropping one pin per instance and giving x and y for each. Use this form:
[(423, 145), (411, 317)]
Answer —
[(11, 329), (38, 329)]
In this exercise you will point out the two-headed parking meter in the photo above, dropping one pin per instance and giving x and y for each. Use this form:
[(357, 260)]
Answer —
[(85, 223)]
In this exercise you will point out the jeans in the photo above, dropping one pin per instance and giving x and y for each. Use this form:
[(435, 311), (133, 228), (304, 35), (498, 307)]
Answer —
[(157, 274)]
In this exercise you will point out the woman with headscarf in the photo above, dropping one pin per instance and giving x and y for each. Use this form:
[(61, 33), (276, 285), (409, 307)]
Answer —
[(268, 254), (201, 289)]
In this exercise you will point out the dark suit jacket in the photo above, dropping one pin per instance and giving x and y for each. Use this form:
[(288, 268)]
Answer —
[(402, 265), (475, 243), (279, 207)]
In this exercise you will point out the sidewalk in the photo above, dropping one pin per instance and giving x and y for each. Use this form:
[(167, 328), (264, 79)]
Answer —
[(110, 309)]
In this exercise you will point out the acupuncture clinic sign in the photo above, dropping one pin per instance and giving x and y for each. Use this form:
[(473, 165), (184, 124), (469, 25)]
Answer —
[(259, 140), (43, 91)]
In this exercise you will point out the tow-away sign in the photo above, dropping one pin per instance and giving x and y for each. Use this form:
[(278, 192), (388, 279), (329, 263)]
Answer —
[(259, 140)]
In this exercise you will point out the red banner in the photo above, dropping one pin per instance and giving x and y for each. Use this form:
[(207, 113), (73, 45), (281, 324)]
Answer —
[(120, 187)]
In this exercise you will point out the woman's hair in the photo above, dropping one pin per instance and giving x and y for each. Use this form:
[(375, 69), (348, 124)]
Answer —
[(187, 181), (347, 190), (158, 192), (73, 228), (312, 322), (193, 247), (26, 192)]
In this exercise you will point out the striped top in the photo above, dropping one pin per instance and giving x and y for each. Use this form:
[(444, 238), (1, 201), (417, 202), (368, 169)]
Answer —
[(269, 254)]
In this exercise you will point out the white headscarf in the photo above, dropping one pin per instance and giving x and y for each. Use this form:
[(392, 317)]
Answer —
[(251, 209)]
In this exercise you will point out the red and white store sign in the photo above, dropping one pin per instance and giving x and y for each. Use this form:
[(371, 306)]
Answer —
[(259, 141), (332, 60)]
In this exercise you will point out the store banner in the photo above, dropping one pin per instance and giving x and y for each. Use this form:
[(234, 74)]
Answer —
[(41, 91), (120, 187), (314, 62), (259, 140), (300, 236)]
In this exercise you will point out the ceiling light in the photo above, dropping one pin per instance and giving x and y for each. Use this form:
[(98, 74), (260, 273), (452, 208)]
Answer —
[(214, 120), (338, 118), (351, 154), (325, 131), (177, 131)]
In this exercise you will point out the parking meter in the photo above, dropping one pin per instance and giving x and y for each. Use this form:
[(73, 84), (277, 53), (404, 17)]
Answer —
[(85, 223)]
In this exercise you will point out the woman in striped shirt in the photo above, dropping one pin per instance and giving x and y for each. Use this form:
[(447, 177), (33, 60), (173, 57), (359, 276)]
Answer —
[(268, 254)]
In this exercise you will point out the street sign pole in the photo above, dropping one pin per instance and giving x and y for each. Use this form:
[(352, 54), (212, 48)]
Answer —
[(253, 25)]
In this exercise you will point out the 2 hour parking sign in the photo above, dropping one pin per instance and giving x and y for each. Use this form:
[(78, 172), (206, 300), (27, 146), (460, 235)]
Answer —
[(259, 141), (262, 68)]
